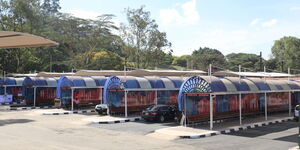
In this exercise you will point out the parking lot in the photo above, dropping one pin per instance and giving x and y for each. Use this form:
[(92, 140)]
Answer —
[(31, 130)]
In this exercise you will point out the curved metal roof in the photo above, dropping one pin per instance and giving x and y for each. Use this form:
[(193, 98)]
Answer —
[(77, 81), (40, 81), (1, 81), (82, 82), (231, 85), (147, 82)]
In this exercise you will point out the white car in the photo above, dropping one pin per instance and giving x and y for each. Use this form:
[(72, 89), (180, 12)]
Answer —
[(296, 112), (102, 109)]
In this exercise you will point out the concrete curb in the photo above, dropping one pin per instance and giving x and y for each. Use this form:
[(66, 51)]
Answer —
[(29, 108), (249, 126), (118, 121), (70, 112), (12, 103)]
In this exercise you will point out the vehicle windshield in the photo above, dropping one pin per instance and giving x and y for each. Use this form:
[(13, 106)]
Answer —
[(152, 108), (297, 107)]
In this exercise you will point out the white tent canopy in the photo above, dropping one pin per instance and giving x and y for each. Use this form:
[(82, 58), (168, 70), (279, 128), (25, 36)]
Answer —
[(10, 39)]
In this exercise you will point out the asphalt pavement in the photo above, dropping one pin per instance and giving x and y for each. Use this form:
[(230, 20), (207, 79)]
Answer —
[(30, 129)]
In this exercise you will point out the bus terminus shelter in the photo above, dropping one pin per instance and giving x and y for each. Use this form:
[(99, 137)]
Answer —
[(133, 94), (208, 97), (40, 90), (11, 89), (80, 91)]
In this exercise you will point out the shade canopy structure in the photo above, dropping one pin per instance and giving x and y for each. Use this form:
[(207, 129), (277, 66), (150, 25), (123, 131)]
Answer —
[(10, 39), (145, 83), (9, 81), (19, 75), (80, 82), (233, 85), (99, 73), (139, 72), (54, 74), (252, 74), (143, 72)]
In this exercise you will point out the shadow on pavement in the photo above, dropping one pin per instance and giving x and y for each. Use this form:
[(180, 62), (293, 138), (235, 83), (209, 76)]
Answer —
[(292, 138), (14, 121), (170, 123), (269, 129)]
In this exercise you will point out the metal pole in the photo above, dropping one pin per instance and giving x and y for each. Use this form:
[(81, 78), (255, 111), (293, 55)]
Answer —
[(266, 106), (240, 96), (290, 103), (100, 95), (4, 82), (211, 111), (156, 97), (72, 99), (34, 96), (185, 117), (210, 102), (266, 99), (5, 90), (289, 72), (240, 107), (126, 104)]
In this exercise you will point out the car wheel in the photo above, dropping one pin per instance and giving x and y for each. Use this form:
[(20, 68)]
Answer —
[(162, 118)]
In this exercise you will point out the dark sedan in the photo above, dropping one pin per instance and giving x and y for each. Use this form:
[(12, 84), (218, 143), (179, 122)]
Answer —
[(160, 113)]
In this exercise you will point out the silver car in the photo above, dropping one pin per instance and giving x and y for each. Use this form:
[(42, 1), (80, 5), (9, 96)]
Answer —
[(102, 109)]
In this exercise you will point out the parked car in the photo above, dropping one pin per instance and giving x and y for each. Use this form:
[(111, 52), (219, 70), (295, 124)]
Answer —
[(102, 109), (296, 112), (160, 113)]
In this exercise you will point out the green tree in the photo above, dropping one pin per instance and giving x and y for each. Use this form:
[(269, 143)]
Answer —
[(287, 51), (105, 60), (144, 39), (76, 36), (181, 61), (201, 58), (250, 61)]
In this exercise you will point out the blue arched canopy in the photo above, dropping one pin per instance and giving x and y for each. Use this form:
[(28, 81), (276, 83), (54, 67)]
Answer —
[(40, 82), (78, 81), (143, 83), (231, 85), (9, 81)]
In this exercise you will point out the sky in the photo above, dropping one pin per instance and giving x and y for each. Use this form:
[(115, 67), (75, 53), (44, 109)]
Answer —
[(231, 26)]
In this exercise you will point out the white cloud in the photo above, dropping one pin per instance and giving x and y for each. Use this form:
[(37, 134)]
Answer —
[(255, 21), (269, 23), (295, 8), (245, 39), (190, 14), (85, 14)]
